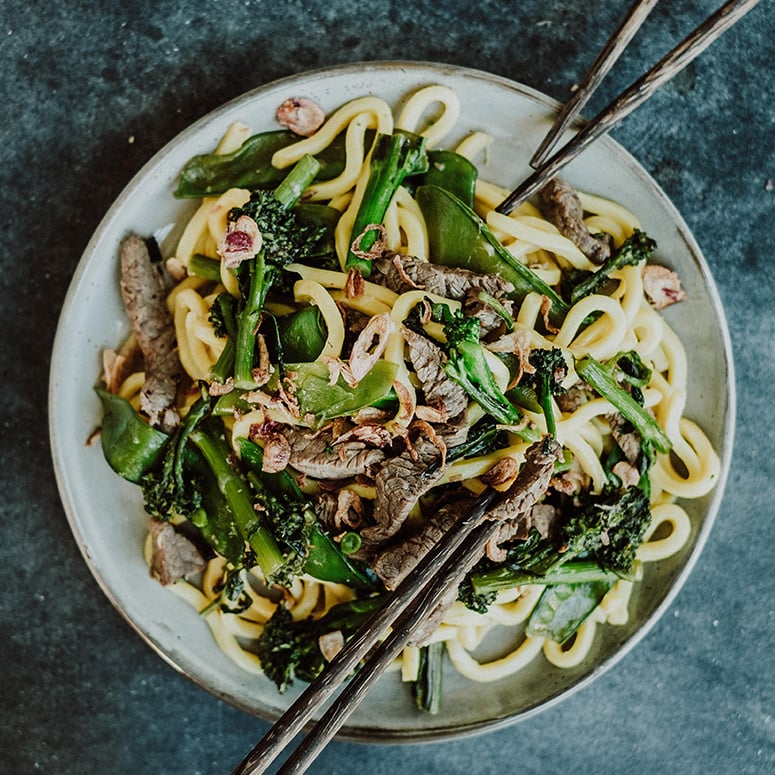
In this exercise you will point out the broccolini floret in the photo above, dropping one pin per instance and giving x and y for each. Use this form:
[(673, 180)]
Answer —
[(635, 249), (605, 529), (290, 649), (284, 238), (467, 364), (550, 371)]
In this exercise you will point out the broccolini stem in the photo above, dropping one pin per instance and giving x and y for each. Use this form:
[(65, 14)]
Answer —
[(599, 377), (510, 576), (394, 158), (248, 322), (237, 493)]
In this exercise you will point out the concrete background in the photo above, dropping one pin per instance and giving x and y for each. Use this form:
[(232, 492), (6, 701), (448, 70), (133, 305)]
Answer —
[(80, 691)]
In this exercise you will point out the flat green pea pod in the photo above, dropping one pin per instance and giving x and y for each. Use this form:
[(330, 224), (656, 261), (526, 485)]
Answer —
[(325, 561), (325, 401), (130, 445), (457, 236), (563, 607), (250, 166), (453, 173), (302, 334)]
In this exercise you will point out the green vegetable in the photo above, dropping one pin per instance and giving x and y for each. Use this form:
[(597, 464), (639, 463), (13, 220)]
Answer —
[(131, 446), (467, 364), (222, 314), (601, 377), (478, 600), (563, 607), (234, 487), (427, 688), (635, 249), (281, 496), (317, 397), (203, 266), (546, 381), (170, 490), (250, 166), (393, 158), (453, 173), (303, 334), (457, 236), (289, 650), (511, 575), (285, 240)]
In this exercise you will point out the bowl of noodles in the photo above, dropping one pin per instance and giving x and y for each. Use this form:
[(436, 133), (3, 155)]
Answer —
[(498, 668)]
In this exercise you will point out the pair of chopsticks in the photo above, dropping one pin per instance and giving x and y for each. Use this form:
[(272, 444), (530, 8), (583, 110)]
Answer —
[(417, 596), (413, 601), (636, 94)]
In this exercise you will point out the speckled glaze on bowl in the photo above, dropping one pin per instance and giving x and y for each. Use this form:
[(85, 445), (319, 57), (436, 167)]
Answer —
[(106, 513)]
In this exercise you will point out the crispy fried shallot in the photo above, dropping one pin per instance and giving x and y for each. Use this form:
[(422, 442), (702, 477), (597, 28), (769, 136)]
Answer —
[(240, 242), (301, 115)]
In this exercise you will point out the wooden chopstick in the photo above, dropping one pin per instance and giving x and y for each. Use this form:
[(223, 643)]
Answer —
[(635, 95), (604, 61), (344, 663)]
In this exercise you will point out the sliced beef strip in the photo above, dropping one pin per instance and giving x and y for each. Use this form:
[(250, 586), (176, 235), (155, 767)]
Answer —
[(403, 273), (313, 454), (515, 507), (144, 296), (439, 390), (173, 556), (394, 564), (399, 483), (563, 208)]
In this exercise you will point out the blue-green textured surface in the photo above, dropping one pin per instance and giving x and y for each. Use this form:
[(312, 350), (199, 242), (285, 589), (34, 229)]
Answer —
[(80, 691)]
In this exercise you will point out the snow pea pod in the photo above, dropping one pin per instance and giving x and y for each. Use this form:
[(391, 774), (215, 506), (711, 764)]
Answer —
[(302, 334), (250, 166), (563, 607), (130, 445), (453, 173), (457, 236), (325, 401)]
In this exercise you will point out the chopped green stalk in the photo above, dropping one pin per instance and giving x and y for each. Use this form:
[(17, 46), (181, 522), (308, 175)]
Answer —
[(599, 377), (634, 250), (203, 266), (427, 687), (393, 158), (506, 577), (457, 236), (562, 608), (235, 489), (247, 323), (301, 175), (222, 318)]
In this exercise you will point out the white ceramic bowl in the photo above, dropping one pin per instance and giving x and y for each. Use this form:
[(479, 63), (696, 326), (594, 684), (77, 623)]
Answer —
[(106, 513)]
